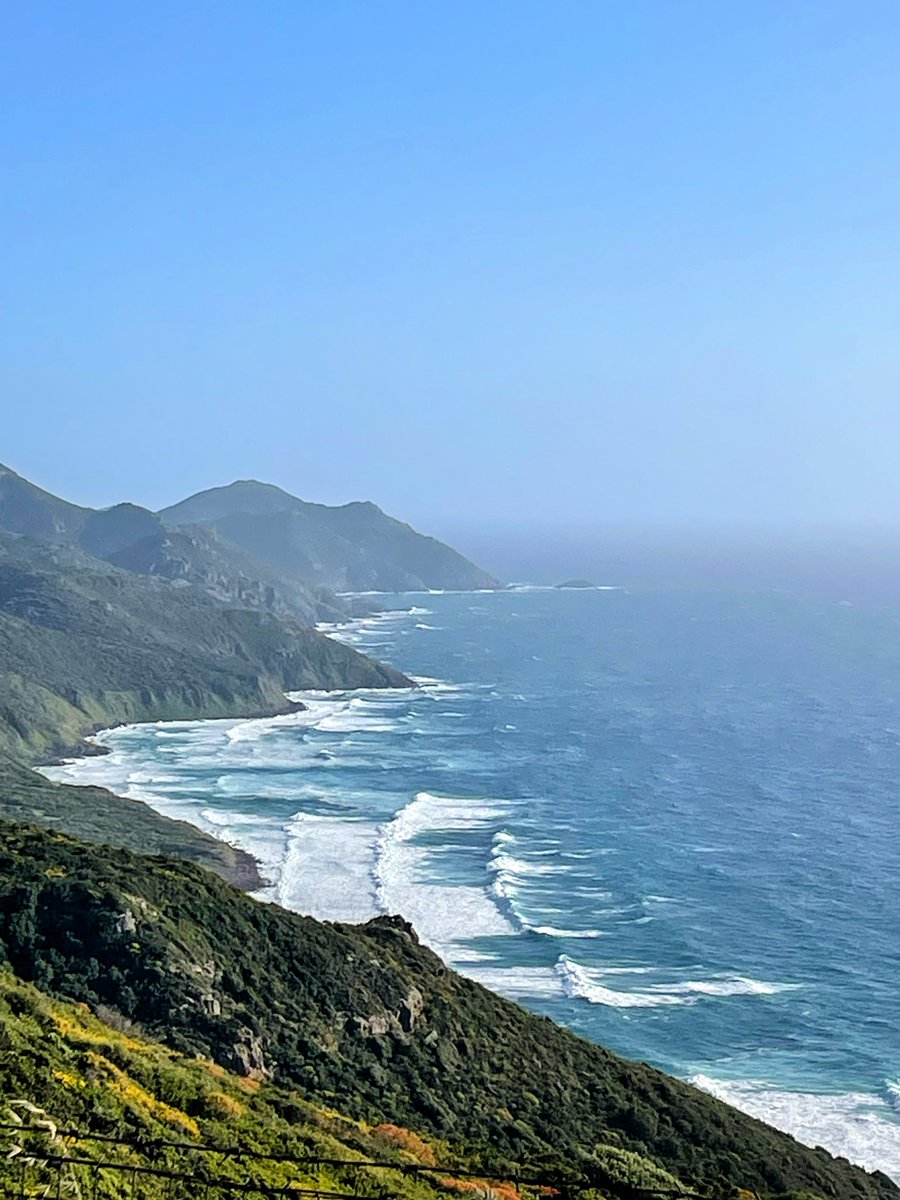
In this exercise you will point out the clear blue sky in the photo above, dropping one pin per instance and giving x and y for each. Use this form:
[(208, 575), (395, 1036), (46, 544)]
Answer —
[(545, 262)]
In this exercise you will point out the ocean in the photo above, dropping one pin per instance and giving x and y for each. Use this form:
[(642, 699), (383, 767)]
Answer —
[(669, 818)]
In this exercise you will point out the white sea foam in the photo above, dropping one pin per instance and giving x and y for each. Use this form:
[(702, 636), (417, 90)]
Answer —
[(511, 875), (326, 869), (445, 915), (724, 987), (552, 931), (227, 820), (346, 721), (519, 983), (580, 984), (592, 984), (856, 1125), (372, 626), (521, 868), (509, 865)]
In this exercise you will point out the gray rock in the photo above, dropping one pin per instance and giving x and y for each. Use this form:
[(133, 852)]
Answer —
[(247, 1057)]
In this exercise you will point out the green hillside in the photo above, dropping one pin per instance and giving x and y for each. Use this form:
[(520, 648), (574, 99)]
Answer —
[(94, 814), (63, 1064), (365, 1020), (83, 644)]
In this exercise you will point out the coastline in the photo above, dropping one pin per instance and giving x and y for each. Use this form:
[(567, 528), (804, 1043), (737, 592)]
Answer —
[(33, 790), (853, 1133), (767, 1102)]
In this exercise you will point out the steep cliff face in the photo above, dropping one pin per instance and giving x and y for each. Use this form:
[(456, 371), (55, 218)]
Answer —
[(366, 1019)]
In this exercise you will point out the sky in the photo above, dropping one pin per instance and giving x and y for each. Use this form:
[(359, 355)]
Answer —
[(500, 264)]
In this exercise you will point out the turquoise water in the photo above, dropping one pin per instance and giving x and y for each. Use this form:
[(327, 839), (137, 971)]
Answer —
[(668, 819)]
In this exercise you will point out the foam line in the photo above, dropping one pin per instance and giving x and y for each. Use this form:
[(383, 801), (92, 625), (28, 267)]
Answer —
[(446, 916), (856, 1125)]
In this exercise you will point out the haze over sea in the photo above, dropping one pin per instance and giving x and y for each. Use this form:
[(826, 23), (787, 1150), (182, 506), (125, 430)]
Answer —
[(666, 816)]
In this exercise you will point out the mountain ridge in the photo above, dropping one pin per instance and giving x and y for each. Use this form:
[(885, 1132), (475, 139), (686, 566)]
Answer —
[(348, 547), (133, 537), (299, 546), (97, 629)]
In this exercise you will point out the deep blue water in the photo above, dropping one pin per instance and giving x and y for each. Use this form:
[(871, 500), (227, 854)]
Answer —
[(669, 819)]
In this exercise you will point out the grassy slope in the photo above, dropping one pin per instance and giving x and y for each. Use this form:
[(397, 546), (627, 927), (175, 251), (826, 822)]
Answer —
[(364, 1019), (88, 1076)]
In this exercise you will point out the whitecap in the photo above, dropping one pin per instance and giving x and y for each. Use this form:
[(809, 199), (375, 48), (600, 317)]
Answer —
[(552, 931), (856, 1125), (507, 865), (580, 984), (590, 984), (737, 986), (446, 916)]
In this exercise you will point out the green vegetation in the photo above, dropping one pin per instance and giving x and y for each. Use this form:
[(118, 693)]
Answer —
[(191, 629), (268, 1025), (95, 815), (90, 1077), (83, 644), (364, 1020)]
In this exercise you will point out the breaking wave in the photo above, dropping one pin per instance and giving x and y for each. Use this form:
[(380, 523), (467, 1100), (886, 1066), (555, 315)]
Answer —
[(856, 1125)]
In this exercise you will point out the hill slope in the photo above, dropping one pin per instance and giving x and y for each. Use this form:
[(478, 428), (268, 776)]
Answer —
[(96, 815), (109, 616), (86, 1075), (365, 1019), (135, 539), (83, 644), (353, 547), (25, 508)]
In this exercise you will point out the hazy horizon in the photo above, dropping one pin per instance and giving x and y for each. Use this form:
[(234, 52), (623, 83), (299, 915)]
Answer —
[(853, 560)]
